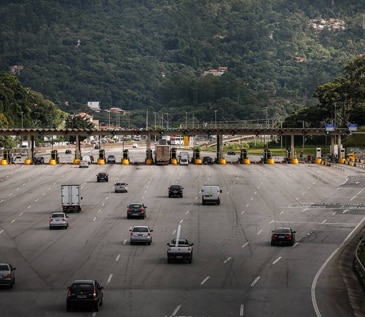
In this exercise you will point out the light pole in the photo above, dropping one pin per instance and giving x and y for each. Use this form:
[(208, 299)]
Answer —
[(167, 120), (22, 120), (215, 118), (186, 120)]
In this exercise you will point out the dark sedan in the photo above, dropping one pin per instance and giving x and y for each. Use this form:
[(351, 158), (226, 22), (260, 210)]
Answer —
[(136, 210), (102, 177), (281, 236), (83, 293)]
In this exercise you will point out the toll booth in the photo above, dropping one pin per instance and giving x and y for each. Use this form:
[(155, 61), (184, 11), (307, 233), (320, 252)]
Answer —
[(318, 159), (54, 156), (267, 157), (149, 157), (7, 156), (196, 156), (126, 155), (243, 154), (101, 154), (173, 153), (243, 157)]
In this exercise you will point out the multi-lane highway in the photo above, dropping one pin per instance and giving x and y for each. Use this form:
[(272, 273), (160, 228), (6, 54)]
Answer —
[(235, 271)]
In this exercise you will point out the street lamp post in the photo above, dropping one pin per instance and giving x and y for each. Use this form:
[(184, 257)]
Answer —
[(215, 118), (22, 120)]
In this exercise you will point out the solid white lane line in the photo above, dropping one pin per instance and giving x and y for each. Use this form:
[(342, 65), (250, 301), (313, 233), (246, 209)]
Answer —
[(206, 279), (277, 260), (255, 281)]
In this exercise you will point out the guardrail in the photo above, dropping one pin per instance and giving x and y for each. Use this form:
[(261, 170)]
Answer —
[(358, 265)]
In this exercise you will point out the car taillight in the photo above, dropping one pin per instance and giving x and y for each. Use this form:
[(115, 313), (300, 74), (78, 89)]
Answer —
[(63, 219), (148, 234), (128, 209), (94, 293), (288, 236), (274, 236), (69, 293), (142, 209), (189, 249), (8, 275)]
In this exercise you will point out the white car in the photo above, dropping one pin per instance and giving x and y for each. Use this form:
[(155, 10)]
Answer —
[(135, 145), (121, 187), (140, 234), (58, 220), (83, 163)]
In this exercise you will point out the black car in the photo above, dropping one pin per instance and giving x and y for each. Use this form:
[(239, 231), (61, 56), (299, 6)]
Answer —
[(110, 159), (136, 210), (68, 151), (83, 293), (38, 160), (207, 160), (102, 177), (176, 191), (231, 153), (282, 236)]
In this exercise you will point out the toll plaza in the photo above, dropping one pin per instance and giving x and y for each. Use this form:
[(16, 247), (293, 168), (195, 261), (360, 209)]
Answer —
[(219, 132)]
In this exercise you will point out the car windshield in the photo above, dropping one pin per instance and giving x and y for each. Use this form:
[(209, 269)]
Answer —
[(88, 287)]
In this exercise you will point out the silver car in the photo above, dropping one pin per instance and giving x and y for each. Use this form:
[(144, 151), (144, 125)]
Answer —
[(140, 234), (7, 275), (121, 187), (58, 220)]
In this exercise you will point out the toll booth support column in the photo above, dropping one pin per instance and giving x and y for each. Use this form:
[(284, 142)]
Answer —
[(339, 146), (148, 141), (77, 150), (219, 147), (292, 153), (332, 147), (30, 148)]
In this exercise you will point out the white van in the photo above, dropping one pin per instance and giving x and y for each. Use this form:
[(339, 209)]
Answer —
[(211, 194), (184, 158)]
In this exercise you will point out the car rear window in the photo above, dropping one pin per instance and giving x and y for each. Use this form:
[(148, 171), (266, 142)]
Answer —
[(135, 206), (140, 229), (57, 215), (84, 287), (282, 231), (4, 267)]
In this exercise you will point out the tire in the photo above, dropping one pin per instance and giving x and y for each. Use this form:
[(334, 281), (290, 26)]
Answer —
[(218, 202), (131, 242), (101, 302), (68, 308), (169, 260), (203, 202), (272, 243)]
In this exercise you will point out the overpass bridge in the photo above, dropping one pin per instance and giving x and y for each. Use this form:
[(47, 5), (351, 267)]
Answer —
[(233, 130)]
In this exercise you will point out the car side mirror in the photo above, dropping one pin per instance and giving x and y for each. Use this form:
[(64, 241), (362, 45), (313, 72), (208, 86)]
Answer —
[(220, 191), (191, 244), (151, 230), (168, 244), (294, 231)]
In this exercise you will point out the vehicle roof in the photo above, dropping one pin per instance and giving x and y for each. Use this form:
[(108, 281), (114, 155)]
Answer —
[(176, 186), (57, 213), (102, 173), (2, 266), (83, 281), (138, 204)]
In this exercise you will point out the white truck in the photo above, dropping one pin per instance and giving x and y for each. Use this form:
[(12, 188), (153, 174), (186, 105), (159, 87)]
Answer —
[(70, 198), (180, 249), (162, 154), (211, 194)]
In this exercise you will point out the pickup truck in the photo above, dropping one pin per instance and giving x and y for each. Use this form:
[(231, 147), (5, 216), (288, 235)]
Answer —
[(180, 249)]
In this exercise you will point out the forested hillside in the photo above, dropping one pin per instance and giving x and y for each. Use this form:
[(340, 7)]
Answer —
[(161, 55)]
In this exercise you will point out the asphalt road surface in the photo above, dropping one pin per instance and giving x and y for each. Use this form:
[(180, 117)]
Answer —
[(235, 271)]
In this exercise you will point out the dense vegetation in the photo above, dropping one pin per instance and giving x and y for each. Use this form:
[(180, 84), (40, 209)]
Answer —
[(151, 54)]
